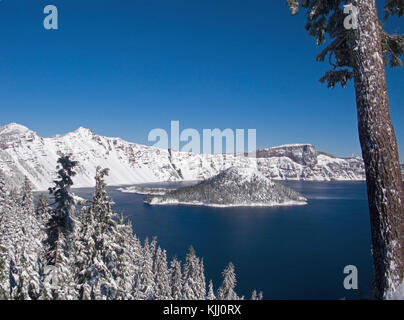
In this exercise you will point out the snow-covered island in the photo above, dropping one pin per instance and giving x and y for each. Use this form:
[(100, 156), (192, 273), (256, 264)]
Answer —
[(234, 187)]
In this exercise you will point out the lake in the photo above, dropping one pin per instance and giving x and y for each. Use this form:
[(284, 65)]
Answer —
[(296, 252)]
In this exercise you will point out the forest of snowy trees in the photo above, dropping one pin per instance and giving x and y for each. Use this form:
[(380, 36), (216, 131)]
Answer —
[(53, 252)]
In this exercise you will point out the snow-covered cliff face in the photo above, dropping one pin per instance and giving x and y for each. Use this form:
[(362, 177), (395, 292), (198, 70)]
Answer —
[(24, 153), (231, 187), (304, 162)]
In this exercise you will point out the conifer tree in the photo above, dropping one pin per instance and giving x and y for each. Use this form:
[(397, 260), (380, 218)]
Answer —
[(201, 281), (194, 286), (103, 256), (361, 52), (226, 290), (176, 279), (27, 198), (144, 279), (28, 247), (11, 243), (85, 273), (42, 210), (59, 281), (211, 292), (153, 248), (129, 260), (4, 246), (162, 289), (254, 295)]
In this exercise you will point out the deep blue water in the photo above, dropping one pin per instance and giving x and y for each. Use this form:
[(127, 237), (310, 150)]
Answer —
[(288, 252)]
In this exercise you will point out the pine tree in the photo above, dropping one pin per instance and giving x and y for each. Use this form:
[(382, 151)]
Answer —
[(104, 257), (27, 198), (28, 247), (144, 279), (361, 53), (176, 279), (59, 281), (85, 273), (129, 261), (226, 290), (194, 286), (201, 281), (4, 243), (254, 295), (9, 234), (162, 289), (42, 210), (11, 237), (211, 292)]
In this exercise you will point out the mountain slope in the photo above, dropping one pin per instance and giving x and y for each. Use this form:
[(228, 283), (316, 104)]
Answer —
[(24, 153), (232, 187)]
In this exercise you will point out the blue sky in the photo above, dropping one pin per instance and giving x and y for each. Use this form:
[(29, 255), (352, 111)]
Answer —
[(124, 67)]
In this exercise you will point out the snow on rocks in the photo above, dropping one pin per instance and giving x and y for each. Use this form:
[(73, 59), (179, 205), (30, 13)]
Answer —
[(24, 153)]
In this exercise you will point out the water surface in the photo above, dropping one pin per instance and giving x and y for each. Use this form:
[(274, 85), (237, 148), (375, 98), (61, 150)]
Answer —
[(294, 252)]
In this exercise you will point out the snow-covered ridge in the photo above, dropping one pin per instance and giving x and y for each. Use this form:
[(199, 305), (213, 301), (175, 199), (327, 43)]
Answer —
[(233, 187), (24, 153)]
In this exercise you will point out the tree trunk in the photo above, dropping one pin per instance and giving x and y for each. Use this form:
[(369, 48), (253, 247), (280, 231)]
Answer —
[(379, 151)]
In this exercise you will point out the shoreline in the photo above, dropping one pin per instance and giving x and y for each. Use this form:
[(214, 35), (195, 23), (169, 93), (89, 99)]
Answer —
[(213, 205)]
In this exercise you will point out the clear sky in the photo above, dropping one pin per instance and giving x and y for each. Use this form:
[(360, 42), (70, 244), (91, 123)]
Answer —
[(125, 67)]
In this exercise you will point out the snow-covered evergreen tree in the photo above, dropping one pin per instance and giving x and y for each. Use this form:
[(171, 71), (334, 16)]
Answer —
[(4, 241), (201, 281), (176, 279), (27, 197), (85, 274), (194, 286), (144, 279), (226, 290), (161, 276), (59, 280), (42, 210), (103, 259), (129, 260), (29, 247), (254, 295), (211, 292)]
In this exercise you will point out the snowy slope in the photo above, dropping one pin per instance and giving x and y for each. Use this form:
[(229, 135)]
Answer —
[(231, 187), (24, 153)]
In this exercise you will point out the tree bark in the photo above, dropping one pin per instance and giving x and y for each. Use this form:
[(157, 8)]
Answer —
[(380, 153)]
